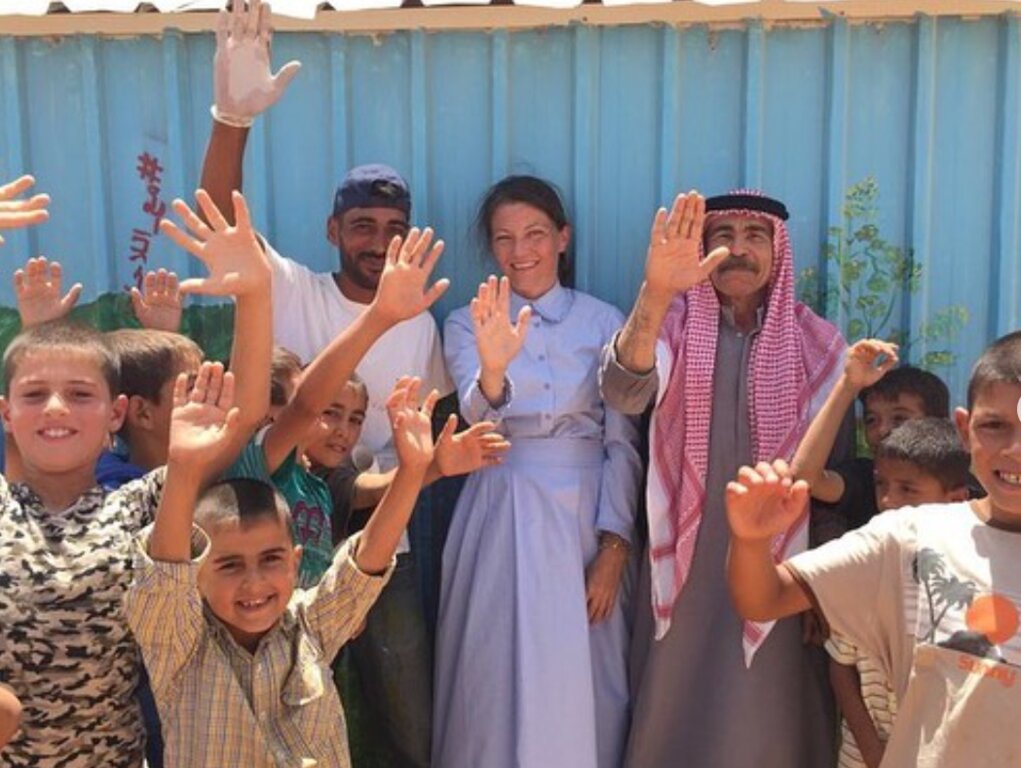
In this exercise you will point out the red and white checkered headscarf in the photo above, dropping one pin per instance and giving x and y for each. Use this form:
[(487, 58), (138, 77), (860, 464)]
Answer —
[(794, 362)]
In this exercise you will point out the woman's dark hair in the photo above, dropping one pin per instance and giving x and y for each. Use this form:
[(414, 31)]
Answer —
[(532, 191)]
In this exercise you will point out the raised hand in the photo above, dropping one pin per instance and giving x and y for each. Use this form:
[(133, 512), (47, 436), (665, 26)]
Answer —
[(465, 452), (37, 291), (672, 263), (158, 305), (237, 265), (204, 421), (498, 338), (243, 83), (411, 423), (402, 291), (764, 501), (868, 361), (16, 213)]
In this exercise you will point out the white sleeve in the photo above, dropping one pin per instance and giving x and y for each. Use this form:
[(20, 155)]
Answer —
[(437, 376), (290, 283)]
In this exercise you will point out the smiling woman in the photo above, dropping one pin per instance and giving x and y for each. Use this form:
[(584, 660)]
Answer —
[(557, 514)]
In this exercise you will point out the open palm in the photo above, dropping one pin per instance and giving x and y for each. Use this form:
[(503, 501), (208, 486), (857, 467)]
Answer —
[(411, 423), (404, 289), (672, 263), (158, 305), (243, 82), (204, 420), (464, 452), (237, 265), (498, 339), (39, 294)]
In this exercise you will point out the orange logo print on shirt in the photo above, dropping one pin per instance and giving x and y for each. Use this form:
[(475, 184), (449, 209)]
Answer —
[(992, 620)]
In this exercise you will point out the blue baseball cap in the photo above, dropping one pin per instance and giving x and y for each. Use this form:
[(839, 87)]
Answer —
[(372, 186)]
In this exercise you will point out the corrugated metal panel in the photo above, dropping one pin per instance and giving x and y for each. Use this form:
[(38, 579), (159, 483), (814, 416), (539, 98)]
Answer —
[(619, 117), (307, 9)]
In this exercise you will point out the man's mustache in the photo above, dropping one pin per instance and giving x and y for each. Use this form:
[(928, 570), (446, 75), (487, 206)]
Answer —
[(737, 262)]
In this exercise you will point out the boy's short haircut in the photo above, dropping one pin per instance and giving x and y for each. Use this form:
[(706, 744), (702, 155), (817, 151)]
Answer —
[(1000, 363), (63, 335), (933, 446), (909, 380), (244, 500), (284, 366), (149, 359)]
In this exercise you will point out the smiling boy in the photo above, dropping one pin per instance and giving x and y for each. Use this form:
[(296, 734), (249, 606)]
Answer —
[(65, 543), (931, 592), (243, 678), (64, 547)]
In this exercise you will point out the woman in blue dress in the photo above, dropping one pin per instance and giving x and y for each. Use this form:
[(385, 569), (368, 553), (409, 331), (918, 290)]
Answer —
[(533, 629)]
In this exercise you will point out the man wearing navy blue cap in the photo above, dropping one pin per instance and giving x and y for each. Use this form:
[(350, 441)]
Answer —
[(370, 207)]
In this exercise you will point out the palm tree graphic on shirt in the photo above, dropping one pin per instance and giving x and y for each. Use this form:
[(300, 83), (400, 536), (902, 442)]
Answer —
[(990, 620), (943, 591)]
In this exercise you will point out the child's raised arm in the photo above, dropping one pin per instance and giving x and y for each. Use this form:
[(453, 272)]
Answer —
[(762, 503), (10, 715), (202, 430), (412, 429), (239, 268), (403, 293), (37, 291), (867, 362)]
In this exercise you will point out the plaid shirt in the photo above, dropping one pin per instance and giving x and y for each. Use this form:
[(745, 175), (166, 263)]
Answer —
[(222, 706)]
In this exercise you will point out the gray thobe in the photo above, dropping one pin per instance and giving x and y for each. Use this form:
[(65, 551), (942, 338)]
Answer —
[(695, 702)]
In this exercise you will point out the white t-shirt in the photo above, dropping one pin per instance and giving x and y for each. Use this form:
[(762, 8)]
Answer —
[(933, 595), (309, 311)]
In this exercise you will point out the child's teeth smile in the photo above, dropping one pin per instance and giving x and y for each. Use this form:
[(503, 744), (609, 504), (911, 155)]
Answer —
[(1009, 477)]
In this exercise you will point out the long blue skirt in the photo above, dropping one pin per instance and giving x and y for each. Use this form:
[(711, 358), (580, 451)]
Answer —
[(522, 681)]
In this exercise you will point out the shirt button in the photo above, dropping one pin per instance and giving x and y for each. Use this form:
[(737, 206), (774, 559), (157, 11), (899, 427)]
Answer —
[(547, 416), (542, 357), (547, 385)]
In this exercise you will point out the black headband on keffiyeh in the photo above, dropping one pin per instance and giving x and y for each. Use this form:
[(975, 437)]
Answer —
[(736, 201)]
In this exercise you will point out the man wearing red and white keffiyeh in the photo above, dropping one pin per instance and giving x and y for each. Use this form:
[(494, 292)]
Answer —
[(738, 368)]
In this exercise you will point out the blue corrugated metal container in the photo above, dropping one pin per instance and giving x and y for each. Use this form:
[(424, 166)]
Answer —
[(620, 117)]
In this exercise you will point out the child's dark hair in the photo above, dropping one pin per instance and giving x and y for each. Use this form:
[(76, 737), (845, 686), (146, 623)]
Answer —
[(933, 446), (283, 368), (532, 191), (1000, 363), (150, 358), (245, 500), (909, 380), (63, 335), (358, 383)]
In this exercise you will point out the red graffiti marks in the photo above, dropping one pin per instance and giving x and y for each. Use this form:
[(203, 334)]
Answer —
[(149, 171)]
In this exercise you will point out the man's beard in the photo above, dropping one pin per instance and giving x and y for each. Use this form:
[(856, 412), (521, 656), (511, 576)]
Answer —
[(352, 267)]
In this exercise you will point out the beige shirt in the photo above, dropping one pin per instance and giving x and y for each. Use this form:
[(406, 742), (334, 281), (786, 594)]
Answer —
[(223, 706), (932, 594)]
